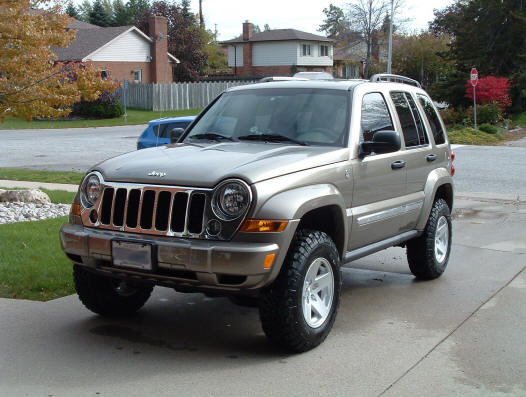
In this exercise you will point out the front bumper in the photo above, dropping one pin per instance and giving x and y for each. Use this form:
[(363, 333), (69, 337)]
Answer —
[(182, 263)]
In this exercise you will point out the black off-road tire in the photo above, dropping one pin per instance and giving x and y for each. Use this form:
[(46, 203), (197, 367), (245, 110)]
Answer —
[(421, 255), (281, 310), (98, 293)]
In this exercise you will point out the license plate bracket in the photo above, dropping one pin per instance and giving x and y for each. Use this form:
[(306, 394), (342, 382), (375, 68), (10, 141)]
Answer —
[(134, 255)]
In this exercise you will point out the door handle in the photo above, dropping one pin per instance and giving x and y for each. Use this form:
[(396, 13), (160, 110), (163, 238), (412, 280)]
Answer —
[(398, 164), (431, 157)]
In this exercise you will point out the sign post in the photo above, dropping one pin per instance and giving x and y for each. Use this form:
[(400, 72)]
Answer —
[(474, 81)]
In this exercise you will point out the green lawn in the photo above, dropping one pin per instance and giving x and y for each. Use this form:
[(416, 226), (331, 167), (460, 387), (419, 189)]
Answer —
[(17, 174), (32, 264), (135, 116), (469, 136)]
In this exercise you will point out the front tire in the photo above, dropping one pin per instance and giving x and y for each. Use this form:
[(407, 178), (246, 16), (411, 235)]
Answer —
[(298, 310), (428, 254), (108, 296)]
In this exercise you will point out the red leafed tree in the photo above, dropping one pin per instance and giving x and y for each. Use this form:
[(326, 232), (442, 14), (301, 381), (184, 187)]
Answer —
[(491, 89)]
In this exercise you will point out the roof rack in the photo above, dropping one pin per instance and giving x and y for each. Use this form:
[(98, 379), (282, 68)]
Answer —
[(394, 78)]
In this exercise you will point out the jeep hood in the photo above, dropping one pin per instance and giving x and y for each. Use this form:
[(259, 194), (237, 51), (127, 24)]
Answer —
[(204, 165)]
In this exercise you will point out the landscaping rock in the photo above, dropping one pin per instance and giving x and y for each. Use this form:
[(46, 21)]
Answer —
[(24, 196), (20, 212)]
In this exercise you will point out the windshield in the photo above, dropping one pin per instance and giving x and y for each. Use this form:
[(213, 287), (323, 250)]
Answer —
[(289, 116)]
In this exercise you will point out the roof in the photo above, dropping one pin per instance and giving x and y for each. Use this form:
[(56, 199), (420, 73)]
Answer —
[(89, 38), (320, 84), (348, 53), (280, 35), (165, 120)]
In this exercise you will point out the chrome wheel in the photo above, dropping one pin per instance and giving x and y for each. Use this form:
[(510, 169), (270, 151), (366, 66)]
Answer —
[(318, 291), (441, 239)]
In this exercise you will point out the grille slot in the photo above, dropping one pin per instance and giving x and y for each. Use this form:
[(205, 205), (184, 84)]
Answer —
[(150, 209), (107, 202), (197, 206), (148, 201), (163, 211), (179, 212), (118, 207)]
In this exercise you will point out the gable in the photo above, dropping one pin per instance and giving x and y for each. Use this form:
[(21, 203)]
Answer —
[(129, 47)]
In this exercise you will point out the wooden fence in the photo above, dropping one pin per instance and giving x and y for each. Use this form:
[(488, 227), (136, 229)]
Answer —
[(173, 96)]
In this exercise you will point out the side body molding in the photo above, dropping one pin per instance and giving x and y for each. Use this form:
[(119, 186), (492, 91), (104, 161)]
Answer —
[(435, 179)]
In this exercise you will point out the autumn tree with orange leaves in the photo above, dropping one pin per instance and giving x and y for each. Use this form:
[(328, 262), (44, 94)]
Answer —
[(32, 83)]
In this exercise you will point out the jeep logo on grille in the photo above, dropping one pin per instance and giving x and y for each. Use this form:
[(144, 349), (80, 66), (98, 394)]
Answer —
[(157, 174)]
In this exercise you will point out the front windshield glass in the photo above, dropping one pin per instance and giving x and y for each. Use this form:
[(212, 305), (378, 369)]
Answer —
[(291, 116)]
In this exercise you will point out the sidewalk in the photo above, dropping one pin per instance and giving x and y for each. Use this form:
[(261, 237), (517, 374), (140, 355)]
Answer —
[(4, 183)]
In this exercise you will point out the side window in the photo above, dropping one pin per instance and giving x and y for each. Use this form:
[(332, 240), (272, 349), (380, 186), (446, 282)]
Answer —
[(163, 130), (410, 121), (432, 118), (375, 116)]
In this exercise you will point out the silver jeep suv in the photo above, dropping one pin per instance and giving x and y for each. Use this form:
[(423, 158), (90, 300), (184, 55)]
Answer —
[(264, 197)]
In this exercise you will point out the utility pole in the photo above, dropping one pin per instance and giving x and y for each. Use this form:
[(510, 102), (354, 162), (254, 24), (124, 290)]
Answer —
[(390, 55), (201, 22)]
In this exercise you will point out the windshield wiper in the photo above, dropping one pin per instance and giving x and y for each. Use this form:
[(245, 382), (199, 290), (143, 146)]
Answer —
[(271, 138), (212, 136)]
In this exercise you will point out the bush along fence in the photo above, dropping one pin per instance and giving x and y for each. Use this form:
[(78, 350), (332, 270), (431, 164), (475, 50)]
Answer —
[(172, 96)]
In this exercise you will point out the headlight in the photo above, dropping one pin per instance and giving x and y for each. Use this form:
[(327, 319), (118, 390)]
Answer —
[(90, 190), (231, 200)]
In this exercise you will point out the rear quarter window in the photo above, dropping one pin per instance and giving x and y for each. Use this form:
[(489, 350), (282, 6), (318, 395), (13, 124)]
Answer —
[(433, 119)]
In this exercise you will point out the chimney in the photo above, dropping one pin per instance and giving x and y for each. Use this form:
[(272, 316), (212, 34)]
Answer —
[(161, 69), (247, 30)]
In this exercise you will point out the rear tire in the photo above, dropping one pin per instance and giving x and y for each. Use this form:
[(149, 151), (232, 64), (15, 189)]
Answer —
[(298, 310), (428, 254), (108, 296)]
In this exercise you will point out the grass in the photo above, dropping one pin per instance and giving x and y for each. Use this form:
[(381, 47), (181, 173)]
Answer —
[(469, 136), (135, 116), (519, 120), (17, 174), (32, 264)]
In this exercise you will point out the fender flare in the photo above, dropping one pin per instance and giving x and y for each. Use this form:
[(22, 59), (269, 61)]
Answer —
[(435, 179)]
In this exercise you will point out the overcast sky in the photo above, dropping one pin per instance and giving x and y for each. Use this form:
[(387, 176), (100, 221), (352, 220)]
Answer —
[(306, 15)]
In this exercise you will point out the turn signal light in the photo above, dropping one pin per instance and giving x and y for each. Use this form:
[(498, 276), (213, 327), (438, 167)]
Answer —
[(269, 260), (75, 209), (263, 225)]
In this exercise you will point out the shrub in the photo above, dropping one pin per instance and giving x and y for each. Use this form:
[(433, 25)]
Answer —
[(450, 116), (491, 89), (488, 113), (106, 106), (490, 129), (469, 136)]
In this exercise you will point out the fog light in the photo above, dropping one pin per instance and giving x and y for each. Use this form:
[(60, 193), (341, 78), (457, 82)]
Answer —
[(93, 216), (213, 227)]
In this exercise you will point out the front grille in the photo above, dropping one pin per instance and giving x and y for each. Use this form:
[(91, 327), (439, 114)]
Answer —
[(152, 210)]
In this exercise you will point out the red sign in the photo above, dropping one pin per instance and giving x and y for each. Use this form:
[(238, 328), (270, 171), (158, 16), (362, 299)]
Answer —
[(474, 77)]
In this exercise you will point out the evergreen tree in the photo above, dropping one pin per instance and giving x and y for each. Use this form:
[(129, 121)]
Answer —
[(185, 7), (137, 9), (72, 11), (121, 15), (98, 15)]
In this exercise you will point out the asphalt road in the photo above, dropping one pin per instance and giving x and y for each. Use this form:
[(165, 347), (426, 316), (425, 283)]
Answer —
[(487, 169), (459, 335)]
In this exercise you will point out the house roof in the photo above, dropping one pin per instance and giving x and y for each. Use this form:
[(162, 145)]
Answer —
[(348, 53), (89, 38), (279, 35)]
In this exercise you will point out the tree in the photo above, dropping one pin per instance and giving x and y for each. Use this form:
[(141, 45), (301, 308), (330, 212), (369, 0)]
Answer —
[(121, 15), (495, 43), (84, 10), (137, 9), (99, 15), (216, 61), (335, 22), (72, 11), (266, 27), (420, 56), (185, 39), (491, 89), (31, 83)]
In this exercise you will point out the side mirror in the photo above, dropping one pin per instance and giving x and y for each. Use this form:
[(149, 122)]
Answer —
[(383, 142), (175, 134)]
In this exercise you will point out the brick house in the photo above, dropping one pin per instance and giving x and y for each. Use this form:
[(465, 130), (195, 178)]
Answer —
[(123, 52), (278, 52)]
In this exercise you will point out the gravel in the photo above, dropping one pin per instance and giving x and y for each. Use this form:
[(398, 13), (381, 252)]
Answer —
[(20, 212)]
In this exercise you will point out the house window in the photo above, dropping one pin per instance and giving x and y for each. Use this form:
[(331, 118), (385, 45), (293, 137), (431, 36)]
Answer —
[(305, 50), (137, 75), (324, 51), (103, 74)]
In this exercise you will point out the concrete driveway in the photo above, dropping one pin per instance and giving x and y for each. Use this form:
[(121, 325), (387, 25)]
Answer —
[(462, 334)]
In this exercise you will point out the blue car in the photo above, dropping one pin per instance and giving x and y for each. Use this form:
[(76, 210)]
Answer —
[(158, 131)]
